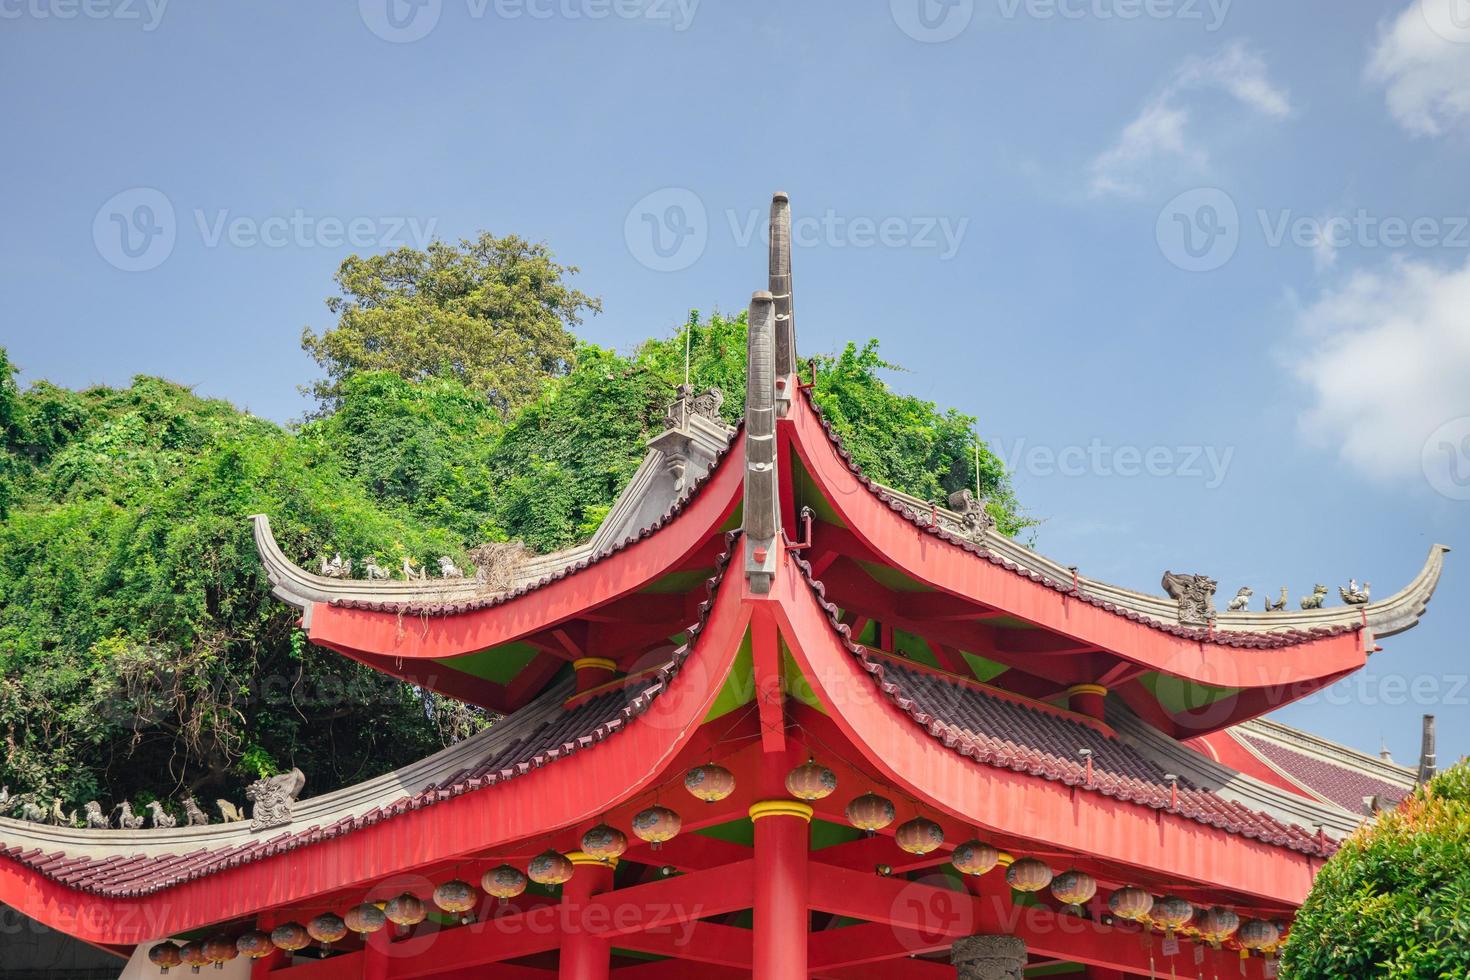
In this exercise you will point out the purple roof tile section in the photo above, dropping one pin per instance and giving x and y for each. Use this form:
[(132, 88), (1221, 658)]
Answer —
[(1007, 733), (1340, 785), (553, 733), (1228, 638)]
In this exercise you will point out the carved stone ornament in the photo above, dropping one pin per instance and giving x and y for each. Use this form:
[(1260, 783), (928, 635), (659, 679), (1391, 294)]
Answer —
[(975, 520), (687, 403), (271, 799), (1196, 596), (988, 958)]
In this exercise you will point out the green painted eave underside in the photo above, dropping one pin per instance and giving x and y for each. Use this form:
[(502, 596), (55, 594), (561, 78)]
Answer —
[(498, 664), (1178, 695)]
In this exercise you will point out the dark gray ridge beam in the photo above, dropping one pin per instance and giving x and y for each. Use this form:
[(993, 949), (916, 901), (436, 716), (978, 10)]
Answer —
[(760, 445), (781, 284), (1428, 763)]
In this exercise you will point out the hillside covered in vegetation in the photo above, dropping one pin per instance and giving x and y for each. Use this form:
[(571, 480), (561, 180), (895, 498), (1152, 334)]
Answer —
[(141, 654)]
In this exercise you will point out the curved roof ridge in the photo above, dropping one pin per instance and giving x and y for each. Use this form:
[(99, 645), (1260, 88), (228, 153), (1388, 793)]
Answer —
[(1200, 805), (1383, 617), (441, 597), (127, 870), (1317, 745)]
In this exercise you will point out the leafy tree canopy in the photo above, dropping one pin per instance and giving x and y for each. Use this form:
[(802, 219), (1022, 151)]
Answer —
[(1394, 902), (493, 313), (141, 653)]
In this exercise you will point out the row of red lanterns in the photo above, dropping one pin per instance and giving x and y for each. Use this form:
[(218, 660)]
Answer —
[(871, 813), (657, 824)]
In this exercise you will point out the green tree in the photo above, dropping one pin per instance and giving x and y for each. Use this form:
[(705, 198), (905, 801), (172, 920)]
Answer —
[(1394, 902), (493, 313)]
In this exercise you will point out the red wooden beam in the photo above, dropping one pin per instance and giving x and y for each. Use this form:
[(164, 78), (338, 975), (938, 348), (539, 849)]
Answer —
[(689, 852), (939, 913), (871, 942), (678, 970), (705, 943), (769, 693)]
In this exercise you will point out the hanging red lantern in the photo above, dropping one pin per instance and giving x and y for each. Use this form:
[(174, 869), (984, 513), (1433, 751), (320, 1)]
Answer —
[(254, 945), (974, 858), (290, 936), (710, 783), (871, 813), (810, 781), (1131, 904), (604, 843), (405, 910), (551, 868), (1172, 913), (326, 929), (1257, 934), (193, 956), (919, 835), (504, 882), (1216, 925), (1074, 889), (1028, 875), (365, 918), (656, 825), (455, 897), (219, 950), (164, 956)]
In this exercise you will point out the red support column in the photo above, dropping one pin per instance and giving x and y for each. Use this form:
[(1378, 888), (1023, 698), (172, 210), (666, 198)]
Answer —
[(375, 955), (584, 956), (1088, 699), (593, 672), (781, 916)]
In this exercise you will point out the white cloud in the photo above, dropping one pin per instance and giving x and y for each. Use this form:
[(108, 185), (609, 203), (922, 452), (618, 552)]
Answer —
[(1386, 358), (1423, 62), (1158, 142)]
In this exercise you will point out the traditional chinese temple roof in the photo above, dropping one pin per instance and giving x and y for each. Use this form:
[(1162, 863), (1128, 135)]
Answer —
[(753, 598)]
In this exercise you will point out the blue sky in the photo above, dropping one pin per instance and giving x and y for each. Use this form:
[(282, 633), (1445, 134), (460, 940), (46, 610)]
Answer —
[(1201, 269)]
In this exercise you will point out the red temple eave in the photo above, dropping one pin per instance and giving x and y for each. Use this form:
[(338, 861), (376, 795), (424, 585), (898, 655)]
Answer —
[(570, 790), (1019, 803), (1289, 671), (403, 634)]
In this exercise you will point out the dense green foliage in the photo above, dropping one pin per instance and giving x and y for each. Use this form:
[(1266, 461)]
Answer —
[(1395, 901), (493, 313), (141, 654)]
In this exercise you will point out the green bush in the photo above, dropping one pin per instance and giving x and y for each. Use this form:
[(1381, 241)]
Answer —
[(1394, 902)]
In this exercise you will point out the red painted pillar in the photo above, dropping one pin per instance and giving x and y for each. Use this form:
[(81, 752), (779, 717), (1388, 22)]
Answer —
[(1088, 699), (375, 955), (593, 672), (584, 955), (781, 917)]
